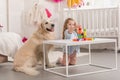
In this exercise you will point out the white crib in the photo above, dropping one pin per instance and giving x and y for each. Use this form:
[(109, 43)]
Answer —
[(99, 22)]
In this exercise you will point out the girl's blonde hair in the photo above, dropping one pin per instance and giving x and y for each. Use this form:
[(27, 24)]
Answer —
[(65, 26)]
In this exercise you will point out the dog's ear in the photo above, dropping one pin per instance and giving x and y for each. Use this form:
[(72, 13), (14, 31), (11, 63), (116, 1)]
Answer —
[(41, 25)]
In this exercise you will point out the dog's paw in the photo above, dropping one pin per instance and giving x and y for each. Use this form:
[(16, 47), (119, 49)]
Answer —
[(35, 73), (40, 63), (51, 65)]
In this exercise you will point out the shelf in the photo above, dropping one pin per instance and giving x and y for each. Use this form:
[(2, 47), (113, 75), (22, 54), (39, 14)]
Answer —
[(88, 8)]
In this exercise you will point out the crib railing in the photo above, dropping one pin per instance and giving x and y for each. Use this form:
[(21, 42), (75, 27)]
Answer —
[(99, 22)]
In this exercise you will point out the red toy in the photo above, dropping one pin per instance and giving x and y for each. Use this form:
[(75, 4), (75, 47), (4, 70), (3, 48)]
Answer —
[(79, 30), (24, 39)]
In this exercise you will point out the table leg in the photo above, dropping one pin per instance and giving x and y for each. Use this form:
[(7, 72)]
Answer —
[(116, 57), (44, 62), (66, 48), (90, 61)]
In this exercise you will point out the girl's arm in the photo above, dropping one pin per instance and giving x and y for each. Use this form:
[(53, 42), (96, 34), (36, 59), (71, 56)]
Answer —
[(70, 35), (67, 34)]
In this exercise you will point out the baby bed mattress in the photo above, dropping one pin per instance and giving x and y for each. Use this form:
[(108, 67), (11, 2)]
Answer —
[(9, 43)]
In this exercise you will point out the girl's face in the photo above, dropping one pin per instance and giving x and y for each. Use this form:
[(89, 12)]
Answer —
[(70, 24)]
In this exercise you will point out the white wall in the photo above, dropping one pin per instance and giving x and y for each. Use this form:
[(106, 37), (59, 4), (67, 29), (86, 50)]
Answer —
[(27, 30), (50, 6), (29, 3), (16, 8), (3, 14)]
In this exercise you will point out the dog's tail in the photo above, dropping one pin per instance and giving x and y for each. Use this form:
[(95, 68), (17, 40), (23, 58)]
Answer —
[(27, 70)]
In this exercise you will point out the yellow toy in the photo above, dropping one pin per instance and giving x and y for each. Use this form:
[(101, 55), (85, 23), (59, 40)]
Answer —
[(75, 3), (84, 33), (69, 3)]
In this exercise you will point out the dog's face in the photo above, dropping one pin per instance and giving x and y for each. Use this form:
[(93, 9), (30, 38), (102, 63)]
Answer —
[(47, 26)]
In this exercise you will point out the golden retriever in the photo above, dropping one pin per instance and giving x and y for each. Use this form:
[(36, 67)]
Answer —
[(31, 52)]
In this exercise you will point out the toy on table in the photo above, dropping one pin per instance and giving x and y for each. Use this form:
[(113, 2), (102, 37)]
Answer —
[(80, 32), (82, 35)]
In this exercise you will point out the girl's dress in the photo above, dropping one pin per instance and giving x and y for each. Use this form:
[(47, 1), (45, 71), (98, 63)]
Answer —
[(71, 36)]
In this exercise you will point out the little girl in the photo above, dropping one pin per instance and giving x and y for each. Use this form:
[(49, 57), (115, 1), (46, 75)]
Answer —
[(70, 33)]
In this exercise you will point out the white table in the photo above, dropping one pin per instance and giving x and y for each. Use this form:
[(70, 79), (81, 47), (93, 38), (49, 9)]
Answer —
[(67, 43)]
